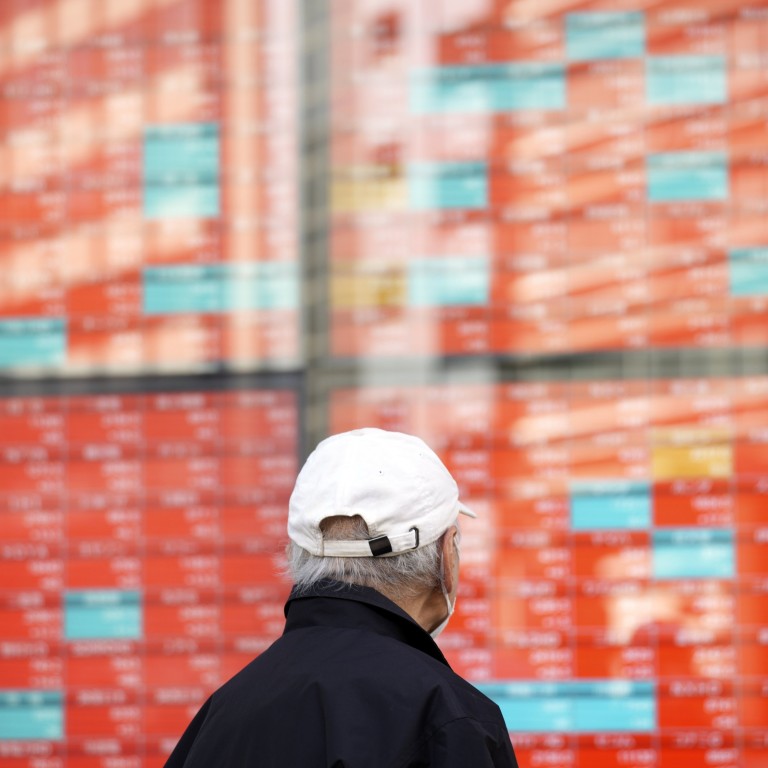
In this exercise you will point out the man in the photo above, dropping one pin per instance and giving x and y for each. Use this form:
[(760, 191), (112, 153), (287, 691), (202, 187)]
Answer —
[(356, 679)]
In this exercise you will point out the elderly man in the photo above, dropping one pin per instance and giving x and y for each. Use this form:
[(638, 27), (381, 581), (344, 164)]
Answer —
[(356, 679)]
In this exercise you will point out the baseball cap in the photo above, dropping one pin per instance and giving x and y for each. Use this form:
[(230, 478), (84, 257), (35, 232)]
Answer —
[(394, 481)]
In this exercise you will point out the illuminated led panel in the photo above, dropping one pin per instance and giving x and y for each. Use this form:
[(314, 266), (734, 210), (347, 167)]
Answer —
[(148, 206), (613, 594), (138, 567), (563, 179)]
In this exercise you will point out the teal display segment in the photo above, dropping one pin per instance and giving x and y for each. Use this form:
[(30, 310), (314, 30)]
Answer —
[(181, 166), (181, 152), (102, 614), (32, 342), (609, 505), (748, 271), (218, 288), (694, 176), (198, 201), (447, 282), (604, 35), (31, 714), (488, 88), (610, 706), (680, 80), (434, 186), (693, 553)]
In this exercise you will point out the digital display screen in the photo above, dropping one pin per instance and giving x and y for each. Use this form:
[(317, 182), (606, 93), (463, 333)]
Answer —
[(519, 178), (614, 588), (148, 205), (142, 536), (507, 183)]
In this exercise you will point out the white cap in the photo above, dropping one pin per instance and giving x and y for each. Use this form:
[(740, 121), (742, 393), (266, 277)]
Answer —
[(394, 481)]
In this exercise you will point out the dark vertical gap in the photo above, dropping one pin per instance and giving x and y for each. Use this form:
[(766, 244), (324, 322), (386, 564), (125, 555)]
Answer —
[(313, 105)]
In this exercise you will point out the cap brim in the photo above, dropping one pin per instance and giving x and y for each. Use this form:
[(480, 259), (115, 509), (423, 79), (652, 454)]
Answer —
[(465, 510)]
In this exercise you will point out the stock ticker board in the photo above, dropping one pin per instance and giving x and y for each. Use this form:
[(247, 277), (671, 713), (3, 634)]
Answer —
[(539, 178), (506, 178), (141, 540), (613, 591), (148, 215)]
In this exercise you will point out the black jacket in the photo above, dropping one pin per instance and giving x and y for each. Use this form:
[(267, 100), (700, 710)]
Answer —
[(352, 682)]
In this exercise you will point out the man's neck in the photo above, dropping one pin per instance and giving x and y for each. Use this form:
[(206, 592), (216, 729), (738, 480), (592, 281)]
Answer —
[(427, 609)]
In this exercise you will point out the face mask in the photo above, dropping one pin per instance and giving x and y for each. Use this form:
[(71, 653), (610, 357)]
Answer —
[(451, 605)]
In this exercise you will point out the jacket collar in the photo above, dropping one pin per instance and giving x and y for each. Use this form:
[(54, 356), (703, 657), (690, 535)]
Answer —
[(337, 604)]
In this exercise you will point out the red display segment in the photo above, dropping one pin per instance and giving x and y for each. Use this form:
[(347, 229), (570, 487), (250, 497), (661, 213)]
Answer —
[(715, 660), (609, 750), (169, 710), (44, 526), (251, 566), (605, 85), (199, 474), (39, 673), (555, 749), (752, 606), (533, 556), (531, 245), (42, 624), (104, 569), (182, 242), (105, 519), (32, 567), (539, 605), (37, 424), (753, 750), (273, 473), (544, 511), (616, 555), (752, 704), (748, 501), (534, 655), (457, 331), (121, 429), (543, 42), (689, 504), (200, 670), (102, 714), (697, 704), (752, 549), (195, 620), (32, 754), (538, 184), (32, 477), (681, 129), (190, 570), (471, 663), (195, 521), (751, 655), (698, 748), (105, 666), (249, 614), (263, 520), (596, 657)]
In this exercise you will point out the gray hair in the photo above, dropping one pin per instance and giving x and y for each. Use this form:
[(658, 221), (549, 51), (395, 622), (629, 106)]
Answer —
[(401, 576)]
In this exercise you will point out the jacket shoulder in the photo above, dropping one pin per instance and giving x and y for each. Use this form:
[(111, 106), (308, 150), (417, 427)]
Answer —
[(463, 742)]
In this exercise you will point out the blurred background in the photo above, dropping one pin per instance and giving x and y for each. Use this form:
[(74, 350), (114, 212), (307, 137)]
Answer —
[(534, 233)]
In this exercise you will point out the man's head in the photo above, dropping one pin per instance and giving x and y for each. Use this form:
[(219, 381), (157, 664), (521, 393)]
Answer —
[(376, 508)]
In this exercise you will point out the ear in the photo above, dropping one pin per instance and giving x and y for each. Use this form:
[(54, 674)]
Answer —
[(450, 559)]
